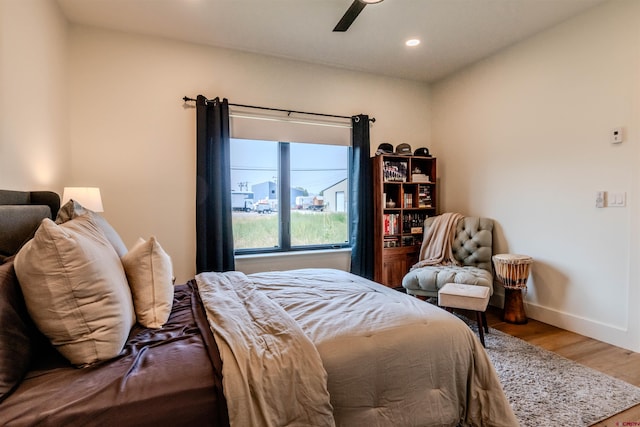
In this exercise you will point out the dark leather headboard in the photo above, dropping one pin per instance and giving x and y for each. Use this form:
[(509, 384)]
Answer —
[(20, 215)]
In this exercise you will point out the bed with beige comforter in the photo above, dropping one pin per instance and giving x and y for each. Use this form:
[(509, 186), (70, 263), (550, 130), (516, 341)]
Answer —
[(321, 347)]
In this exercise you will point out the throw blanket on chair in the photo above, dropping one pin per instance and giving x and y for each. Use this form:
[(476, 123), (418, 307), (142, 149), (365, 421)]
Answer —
[(437, 243)]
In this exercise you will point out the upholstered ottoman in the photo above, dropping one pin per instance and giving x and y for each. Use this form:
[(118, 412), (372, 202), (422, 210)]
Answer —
[(467, 297)]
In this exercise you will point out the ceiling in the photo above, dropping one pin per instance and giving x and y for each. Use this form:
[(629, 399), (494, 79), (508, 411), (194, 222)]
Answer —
[(454, 33)]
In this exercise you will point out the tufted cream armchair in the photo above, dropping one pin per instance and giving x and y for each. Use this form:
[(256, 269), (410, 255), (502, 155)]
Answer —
[(472, 247)]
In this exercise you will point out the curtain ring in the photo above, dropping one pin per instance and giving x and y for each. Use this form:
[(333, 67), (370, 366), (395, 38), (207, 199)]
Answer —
[(356, 119)]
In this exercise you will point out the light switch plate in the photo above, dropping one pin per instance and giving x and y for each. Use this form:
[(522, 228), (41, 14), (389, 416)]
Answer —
[(617, 199)]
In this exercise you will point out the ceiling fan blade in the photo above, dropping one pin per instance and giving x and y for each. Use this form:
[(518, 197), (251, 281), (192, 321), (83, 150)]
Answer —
[(349, 16)]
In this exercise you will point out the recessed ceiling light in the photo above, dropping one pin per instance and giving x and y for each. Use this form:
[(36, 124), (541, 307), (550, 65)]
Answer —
[(370, 1), (412, 42)]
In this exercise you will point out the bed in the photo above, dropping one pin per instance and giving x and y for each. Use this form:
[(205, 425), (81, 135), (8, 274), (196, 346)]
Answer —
[(302, 347)]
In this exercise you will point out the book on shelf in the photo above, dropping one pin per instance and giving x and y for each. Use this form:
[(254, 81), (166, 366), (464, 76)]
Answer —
[(419, 177), (424, 196), (408, 200), (391, 241), (390, 224)]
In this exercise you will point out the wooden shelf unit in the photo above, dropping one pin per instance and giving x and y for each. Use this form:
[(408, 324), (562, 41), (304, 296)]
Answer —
[(409, 182)]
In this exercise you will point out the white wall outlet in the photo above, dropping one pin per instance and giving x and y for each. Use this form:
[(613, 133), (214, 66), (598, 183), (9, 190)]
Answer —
[(601, 197), (616, 135)]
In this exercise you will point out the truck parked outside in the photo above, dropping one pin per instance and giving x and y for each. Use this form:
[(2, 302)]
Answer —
[(242, 202)]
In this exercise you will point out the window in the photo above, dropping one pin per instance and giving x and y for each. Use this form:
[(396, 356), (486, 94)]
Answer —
[(288, 195)]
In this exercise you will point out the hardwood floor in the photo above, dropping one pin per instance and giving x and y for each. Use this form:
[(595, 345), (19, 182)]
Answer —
[(614, 361)]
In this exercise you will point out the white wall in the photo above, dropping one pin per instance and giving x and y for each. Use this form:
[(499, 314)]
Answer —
[(34, 127), (523, 138), (132, 136)]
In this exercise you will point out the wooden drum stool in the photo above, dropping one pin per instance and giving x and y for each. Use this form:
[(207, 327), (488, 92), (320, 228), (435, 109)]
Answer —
[(512, 272)]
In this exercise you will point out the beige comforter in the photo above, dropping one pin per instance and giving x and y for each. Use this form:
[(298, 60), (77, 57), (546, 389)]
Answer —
[(272, 374), (391, 359)]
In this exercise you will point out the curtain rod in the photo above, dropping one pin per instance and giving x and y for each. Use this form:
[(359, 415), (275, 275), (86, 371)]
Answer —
[(372, 119)]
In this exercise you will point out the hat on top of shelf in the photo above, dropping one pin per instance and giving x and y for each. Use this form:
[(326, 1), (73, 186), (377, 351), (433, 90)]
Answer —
[(384, 148), (403, 149), (422, 151)]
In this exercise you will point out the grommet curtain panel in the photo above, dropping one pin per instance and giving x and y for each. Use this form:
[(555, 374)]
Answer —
[(361, 181), (214, 232)]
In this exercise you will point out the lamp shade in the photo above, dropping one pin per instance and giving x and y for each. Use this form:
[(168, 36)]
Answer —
[(88, 197)]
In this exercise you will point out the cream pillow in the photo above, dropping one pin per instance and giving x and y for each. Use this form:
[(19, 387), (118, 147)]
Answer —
[(73, 209), (149, 271), (76, 290)]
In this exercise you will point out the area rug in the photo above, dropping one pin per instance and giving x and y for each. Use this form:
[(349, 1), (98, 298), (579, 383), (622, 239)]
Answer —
[(546, 389)]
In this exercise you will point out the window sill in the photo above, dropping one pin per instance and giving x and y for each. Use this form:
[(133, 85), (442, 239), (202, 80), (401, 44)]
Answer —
[(292, 254)]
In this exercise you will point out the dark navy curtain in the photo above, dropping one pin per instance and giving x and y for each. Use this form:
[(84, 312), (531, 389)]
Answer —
[(214, 233), (361, 198)]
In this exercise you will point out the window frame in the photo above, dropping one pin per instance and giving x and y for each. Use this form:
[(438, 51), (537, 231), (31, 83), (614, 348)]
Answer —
[(284, 215)]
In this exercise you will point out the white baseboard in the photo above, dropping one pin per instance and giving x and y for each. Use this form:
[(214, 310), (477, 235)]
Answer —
[(497, 299), (605, 332)]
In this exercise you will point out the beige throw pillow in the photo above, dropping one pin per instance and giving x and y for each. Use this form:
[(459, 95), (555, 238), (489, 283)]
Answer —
[(149, 271), (73, 209), (76, 290)]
